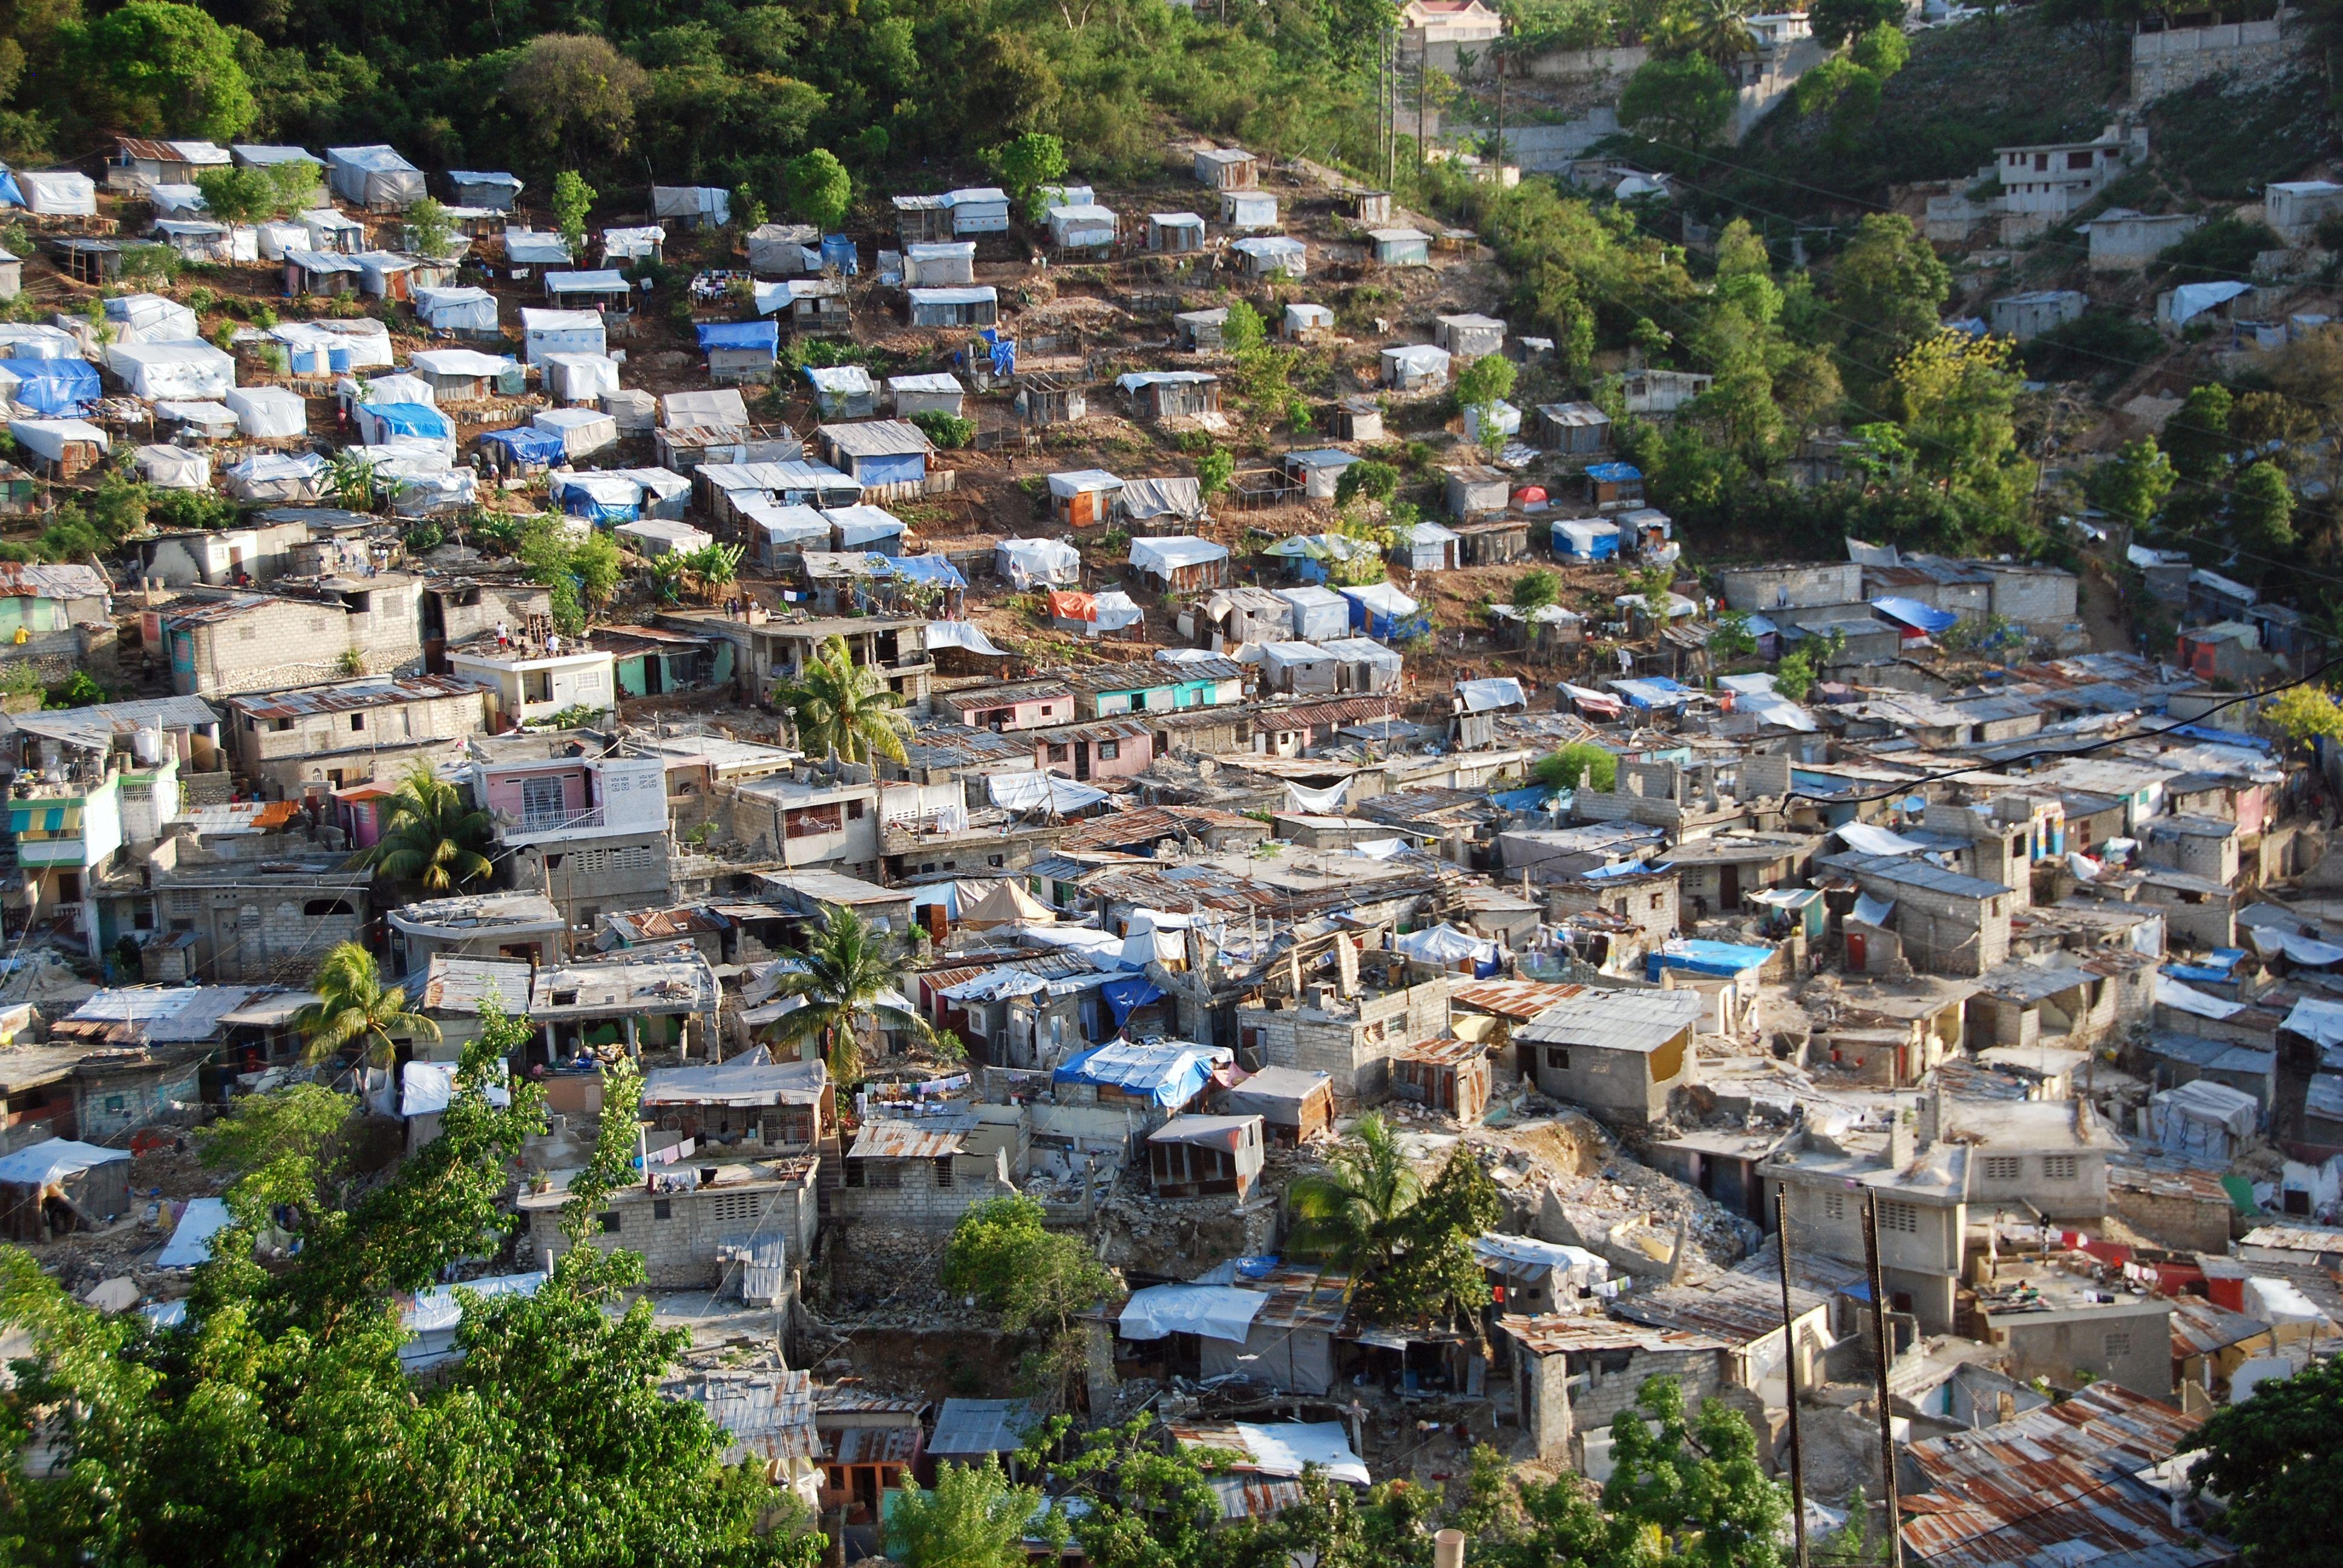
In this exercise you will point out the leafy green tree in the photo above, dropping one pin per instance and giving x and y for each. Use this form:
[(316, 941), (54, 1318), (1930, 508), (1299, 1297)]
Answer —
[(233, 195), (1036, 1279), (594, 563), (1890, 288), (1244, 331), (1535, 589), (1431, 1275), (1713, 30), (1346, 1212), (1881, 50), (1580, 758), (429, 231), (575, 94), (1794, 673), (1684, 101), (1376, 481), (572, 198), (2134, 482), (838, 705), (1879, 453), (354, 1007), (1698, 1481), (1836, 21), (1958, 396), (973, 1519), (2277, 1460), (1027, 163), (432, 836), (163, 69), (848, 967), (1215, 468), (1484, 381), (2262, 507), (819, 189), (2196, 438), (1731, 638), (2302, 712)]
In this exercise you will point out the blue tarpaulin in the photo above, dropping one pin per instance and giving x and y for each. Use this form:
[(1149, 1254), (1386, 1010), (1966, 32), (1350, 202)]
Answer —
[(764, 334), (1911, 612), (1171, 1072), (2221, 736), (417, 419), (929, 569), (528, 444), (1653, 691), (1613, 473), (10, 191), (1724, 960), (54, 387), (1126, 995), (837, 251)]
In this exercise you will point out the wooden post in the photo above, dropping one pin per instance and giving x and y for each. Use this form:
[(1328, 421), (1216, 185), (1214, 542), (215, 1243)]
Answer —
[(1789, 1367), (1880, 1368)]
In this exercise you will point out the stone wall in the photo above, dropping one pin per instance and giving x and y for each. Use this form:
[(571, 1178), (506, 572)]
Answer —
[(679, 1234), (2183, 1221), (2166, 62)]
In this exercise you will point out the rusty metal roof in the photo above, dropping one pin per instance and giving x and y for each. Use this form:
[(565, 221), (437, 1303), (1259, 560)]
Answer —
[(1150, 823), (2200, 1328), (1302, 1297), (1442, 1052), (1549, 1335), (766, 1412), (1737, 1308), (1519, 1000), (928, 1138), (2058, 1483), (352, 696)]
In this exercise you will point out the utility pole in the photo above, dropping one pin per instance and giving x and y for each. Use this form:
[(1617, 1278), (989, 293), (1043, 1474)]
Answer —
[(1880, 1368), (1789, 1362), (1391, 109), (1497, 57), (1423, 71)]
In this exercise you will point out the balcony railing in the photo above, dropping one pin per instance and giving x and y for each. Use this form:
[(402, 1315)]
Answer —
[(561, 821)]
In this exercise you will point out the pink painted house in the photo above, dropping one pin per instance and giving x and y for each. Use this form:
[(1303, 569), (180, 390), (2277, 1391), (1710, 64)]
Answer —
[(1107, 748), (1028, 705)]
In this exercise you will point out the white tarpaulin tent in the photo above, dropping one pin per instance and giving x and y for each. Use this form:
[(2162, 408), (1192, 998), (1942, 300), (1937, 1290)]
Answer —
[(1864, 838), (214, 421), (151, 318), (432, 495), (544, 332), (2320, 1021), (278, 476), (190, 370), (1286, 1448), (1214, 1312), (61, 193), (1039, 791), (1026, 562), (1318, 613), (45, 1164), (333, 347), (1145, 500), (48, 439), (580, 378), (456, 309), (173, 467), (2307, 952), (268, 412), (704, 203), (2202, 1121), (1444, 945), (430, 1086), (2191, 300), (191, 1238), (1315, 802), (1486, 696), (583, 431), (1112, 610), (1167, 555), (23, 340), (373, 176), (2171, 993)]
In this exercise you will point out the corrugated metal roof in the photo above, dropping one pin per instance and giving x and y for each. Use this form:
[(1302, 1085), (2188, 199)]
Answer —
[(928, 1138), (1910, 871), (766, 1413), (2200, 1328), (1518, 999), (1546, 1336), (2056, 1484), (460, 984), (970, 1426), (1641, 1021), (1442, 1052), (350, 696)]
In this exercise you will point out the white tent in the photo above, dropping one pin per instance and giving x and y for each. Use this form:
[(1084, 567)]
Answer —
[(22, 340), (430, 495), (1039, 791), (61, 193), (278, 476), (275, 238), (544, 332), (579, 378), (583, 431), (1145, 500), (151, 318), (717, 407), (373, 176), (172, 369), (456, 309), (48, 439), (397, 388), (174, 468), (213, 421), (191, 1240), (1318, 613), (1168, 554), (1085, 225), (460, 363), (331, 347), (268, 412), (536, 248), (706, 204), (1026, 562), (404, 458)]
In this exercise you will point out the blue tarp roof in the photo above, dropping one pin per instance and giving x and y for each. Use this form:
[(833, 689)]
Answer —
[(929, 569), (1653, 691), (1126, 995), (1911, 612), (528, 444), (1613, 473), (55, 385), (411, 419), (10, 191), (1725, 959), (2221, 736), (765, 335), (1167, 1071)]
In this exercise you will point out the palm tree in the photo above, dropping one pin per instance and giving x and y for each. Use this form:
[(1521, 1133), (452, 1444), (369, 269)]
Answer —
[(432, 835), (349, 479), (846, 972), (1345, 1215), (354, 1007), (838, 705), (1717, 29)]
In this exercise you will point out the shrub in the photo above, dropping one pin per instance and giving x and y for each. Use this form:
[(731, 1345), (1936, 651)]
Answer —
[(949, 431), (183, 509)]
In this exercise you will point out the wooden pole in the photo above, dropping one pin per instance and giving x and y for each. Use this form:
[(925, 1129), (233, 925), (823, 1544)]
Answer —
[(1789, 1363), (1880, 1368)]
